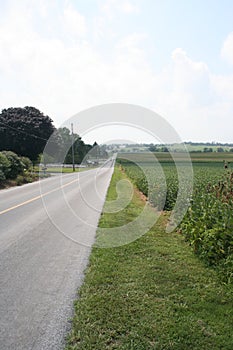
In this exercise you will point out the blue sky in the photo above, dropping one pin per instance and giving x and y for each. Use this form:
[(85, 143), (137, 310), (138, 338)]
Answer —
[(174, 57)]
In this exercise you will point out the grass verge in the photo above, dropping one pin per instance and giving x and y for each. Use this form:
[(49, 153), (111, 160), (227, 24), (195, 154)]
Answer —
[(151, 294)]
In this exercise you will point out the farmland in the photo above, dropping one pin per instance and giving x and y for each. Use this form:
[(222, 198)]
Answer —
[(153, 293), (208, 222), (195, 156)]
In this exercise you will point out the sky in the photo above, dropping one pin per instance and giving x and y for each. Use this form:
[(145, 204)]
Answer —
[(174, 57)]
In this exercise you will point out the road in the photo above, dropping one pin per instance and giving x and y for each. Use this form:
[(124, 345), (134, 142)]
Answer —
[(46, 232)]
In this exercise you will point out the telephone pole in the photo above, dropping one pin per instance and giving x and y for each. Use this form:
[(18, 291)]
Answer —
[(72, 138)]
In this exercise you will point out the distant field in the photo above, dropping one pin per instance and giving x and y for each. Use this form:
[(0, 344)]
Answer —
[(195, 157), (176, 147), (195, 148)]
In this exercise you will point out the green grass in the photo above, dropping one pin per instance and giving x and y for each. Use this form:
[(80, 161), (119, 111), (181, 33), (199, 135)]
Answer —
[(64, 170), (151, 294), (60, 169)]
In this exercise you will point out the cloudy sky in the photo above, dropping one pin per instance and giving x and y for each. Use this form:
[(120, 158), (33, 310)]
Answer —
[(172, 56)]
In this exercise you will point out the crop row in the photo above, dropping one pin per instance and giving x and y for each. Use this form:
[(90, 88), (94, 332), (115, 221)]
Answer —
[(208, 222)]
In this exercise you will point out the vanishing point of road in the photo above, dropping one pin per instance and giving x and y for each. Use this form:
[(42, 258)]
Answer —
[(46, 232)]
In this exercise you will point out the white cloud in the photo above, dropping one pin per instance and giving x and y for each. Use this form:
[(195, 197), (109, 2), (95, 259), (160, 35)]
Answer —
[(197, 102), (191, 80), (75, 23), (62, 77), (223, 85), (131, 41), (129, 49), (106, 21), (128, 7), (112, 7), (227, 49)]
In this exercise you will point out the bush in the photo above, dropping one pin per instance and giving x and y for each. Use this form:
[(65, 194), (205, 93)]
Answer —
[(2, 175), (4, 166), (20, 180), (27, 163), (13, 167), (16, 165)]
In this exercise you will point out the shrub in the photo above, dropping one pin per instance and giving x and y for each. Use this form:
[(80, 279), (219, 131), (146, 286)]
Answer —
[(27, 163), (16, 165), (2, 175), (4, 166), (20, 180)]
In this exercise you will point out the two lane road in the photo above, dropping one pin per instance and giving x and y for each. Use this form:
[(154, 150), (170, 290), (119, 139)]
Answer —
[(46, 232)]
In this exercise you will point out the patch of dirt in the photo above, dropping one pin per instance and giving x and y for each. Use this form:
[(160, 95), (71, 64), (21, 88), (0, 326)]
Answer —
[(141, 195), (7, 184)]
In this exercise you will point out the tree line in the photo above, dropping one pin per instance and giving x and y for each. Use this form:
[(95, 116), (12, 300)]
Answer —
[(26, 131)]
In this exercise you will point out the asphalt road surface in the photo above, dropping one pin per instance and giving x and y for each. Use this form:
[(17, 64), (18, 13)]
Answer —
[(46, 232)]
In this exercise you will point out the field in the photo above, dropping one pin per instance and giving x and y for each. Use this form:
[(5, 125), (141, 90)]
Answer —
[(199, 148), (195, 157), (153, 293), (168, 289), (208, 222)]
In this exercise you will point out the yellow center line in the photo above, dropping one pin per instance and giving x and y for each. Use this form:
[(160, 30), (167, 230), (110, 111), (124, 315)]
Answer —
[(35, 198)]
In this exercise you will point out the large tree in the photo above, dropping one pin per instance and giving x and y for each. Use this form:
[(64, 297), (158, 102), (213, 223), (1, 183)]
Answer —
[(24, 131)]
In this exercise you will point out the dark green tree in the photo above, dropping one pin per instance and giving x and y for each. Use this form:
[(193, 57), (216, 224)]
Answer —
[(80, 150), (208, 149), (24, 131)]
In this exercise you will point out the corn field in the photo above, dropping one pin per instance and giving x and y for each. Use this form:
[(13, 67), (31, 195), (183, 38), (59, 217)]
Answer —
[(208, 222)]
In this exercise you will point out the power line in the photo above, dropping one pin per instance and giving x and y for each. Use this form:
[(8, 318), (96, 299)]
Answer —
[(22, 131), (32, 135)]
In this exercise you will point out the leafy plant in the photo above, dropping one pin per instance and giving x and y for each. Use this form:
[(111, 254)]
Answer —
[(4, 166), (16, 165), (208, 223)]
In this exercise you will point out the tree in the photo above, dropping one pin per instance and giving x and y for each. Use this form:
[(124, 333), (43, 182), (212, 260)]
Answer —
[(95, 151), (153, 148), (54, 150), (207, 150), (24, 131), (80, 150), (59, 148)]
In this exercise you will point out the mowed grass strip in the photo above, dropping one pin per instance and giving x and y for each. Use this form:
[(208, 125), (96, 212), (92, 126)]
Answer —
[(151, 294)]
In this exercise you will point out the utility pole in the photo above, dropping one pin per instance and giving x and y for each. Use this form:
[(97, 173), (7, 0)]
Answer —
[(72, 137)]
